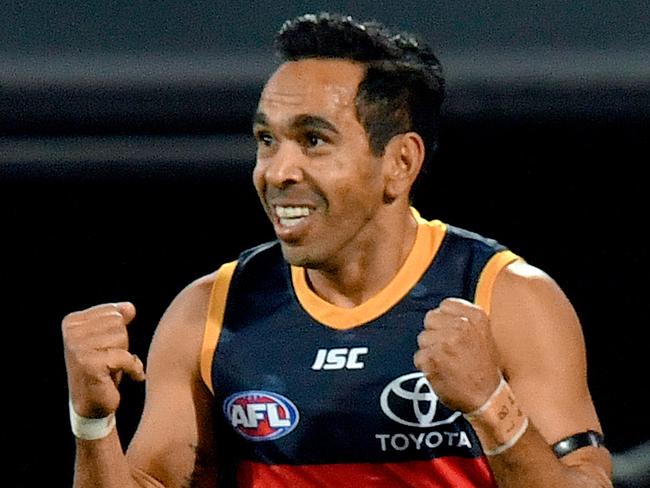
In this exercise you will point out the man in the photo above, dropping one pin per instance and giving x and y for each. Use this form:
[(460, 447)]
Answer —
[(296, 364)]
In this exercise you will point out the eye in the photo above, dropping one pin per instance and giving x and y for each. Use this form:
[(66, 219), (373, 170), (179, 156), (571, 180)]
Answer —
[(312, 139), (264, 138)]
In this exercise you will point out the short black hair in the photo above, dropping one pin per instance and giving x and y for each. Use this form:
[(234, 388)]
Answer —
[(403, 86)]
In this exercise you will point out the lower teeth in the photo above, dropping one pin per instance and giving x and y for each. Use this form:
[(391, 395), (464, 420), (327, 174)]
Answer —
[(290, 222)]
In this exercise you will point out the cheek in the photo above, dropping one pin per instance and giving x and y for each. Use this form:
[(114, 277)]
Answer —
[(364, 178), (258, 178), (259, 183), (359, 192)]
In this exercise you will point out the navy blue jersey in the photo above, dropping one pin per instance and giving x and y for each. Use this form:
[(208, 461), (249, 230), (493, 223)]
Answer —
[(310, 394)]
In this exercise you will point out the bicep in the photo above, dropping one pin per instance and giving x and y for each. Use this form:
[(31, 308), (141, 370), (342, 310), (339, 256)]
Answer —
[(542, 352), (174, 442)]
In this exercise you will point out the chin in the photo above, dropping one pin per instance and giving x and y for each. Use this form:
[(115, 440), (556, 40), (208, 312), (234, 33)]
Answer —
[(298, 256)]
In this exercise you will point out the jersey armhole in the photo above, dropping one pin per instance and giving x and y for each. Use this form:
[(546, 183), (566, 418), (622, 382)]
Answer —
[(214, 321), (483, 295)]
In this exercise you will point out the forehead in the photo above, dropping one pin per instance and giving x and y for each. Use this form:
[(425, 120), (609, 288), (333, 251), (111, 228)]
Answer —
[(312, 86)]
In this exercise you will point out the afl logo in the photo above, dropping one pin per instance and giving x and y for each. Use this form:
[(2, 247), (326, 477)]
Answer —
[(410, 400), (261, 415)]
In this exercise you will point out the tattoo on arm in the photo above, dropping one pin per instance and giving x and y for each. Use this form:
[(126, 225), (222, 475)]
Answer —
[(204, 467)]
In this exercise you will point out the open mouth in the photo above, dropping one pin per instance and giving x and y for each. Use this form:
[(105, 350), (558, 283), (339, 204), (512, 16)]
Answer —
[(291, 216)]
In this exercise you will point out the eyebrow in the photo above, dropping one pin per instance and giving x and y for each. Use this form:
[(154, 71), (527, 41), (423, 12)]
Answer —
[(302, 121), (313, 122), (260, 119)]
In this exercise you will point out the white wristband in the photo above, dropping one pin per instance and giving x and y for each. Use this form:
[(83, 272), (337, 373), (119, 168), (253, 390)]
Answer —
[(511, 442), (499, 422), (90, 429)]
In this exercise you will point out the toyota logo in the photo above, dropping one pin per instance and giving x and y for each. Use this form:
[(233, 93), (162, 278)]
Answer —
[(410, 400)]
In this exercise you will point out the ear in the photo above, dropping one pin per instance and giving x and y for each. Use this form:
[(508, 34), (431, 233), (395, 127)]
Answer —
[(403, 158)]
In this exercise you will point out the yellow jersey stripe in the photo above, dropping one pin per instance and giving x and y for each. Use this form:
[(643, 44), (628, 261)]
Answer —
[(214, 322), (483, 295)]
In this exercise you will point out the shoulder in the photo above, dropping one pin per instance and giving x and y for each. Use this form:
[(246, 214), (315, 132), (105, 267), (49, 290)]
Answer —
[(182, 326), (521, 285), (260, 257), (474, 247), (189, 305), (180, 330), (189, 309), (471, 237), (256, 269), (533, 321)]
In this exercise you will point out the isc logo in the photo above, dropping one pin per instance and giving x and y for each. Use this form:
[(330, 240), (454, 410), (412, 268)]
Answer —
[(261, 415), (339, 358)]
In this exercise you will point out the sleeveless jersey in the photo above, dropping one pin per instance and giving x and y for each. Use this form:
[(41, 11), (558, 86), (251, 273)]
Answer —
[(313, 395)]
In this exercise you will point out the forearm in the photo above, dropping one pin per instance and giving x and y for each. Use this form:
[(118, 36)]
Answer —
[(520, 456), (532, 463), (102, 464)]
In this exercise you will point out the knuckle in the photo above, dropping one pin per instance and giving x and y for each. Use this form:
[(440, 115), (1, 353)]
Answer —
[(65, 331), (423, 359), (72, 316), (432, 322), (69, 323), (432, 315), (422, 339), (114, 321), (72, 339), (103, 308), (449, 304), (461, 322), (75, 335), (417, 360)]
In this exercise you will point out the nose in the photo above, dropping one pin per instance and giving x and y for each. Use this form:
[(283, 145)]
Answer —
[(284, 167)]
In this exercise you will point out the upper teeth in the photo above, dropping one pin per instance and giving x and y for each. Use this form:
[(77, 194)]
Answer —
[(291, 212)]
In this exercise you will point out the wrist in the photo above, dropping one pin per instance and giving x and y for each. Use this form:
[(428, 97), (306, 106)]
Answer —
[(90, 429), (499, 422)]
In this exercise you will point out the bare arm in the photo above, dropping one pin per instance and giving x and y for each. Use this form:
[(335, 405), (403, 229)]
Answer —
[(534, 339), (173, 446), (542, 354)]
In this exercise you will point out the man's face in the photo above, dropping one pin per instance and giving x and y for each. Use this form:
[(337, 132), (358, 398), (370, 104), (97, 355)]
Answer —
[(315, 174)]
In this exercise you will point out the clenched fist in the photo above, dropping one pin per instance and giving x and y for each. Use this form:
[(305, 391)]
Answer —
[(96, 355), (458, 355)]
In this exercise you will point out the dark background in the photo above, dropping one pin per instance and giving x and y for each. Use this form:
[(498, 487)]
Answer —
[(125, 167)]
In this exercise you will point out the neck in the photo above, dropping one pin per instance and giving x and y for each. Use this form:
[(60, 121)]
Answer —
[(375, 262)]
